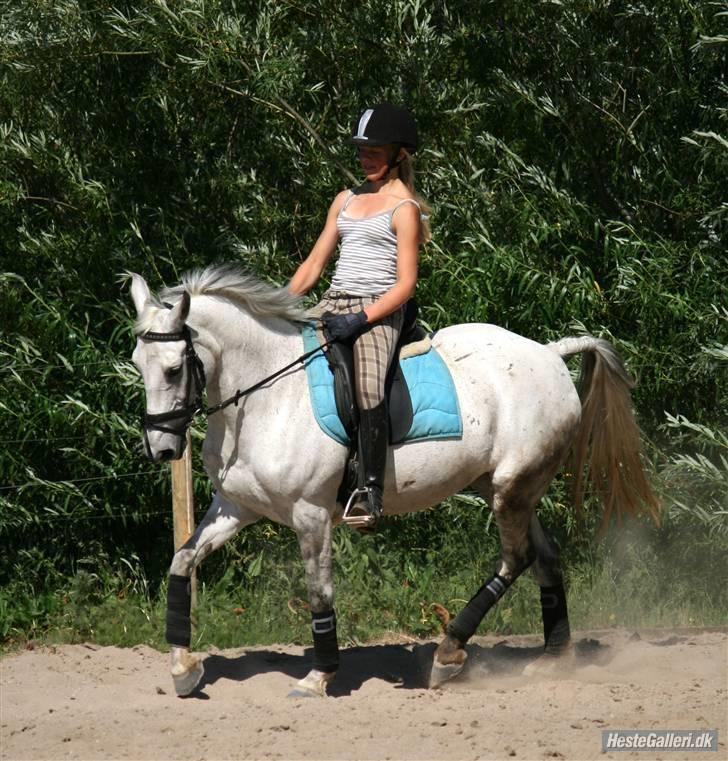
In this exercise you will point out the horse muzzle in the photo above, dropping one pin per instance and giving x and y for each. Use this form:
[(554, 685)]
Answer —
[(163, 443)]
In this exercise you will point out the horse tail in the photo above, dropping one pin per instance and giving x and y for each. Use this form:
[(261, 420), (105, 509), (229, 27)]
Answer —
[(608, 439)]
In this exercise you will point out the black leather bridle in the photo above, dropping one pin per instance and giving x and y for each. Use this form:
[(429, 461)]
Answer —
[(163, 421), (159, 421)]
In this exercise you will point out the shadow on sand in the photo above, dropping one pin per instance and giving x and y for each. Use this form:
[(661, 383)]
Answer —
[(405, 666)]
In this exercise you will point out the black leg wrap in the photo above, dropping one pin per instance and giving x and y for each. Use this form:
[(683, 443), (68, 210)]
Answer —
[(325, 644), (556, 631), (467, 621), (179, 602)]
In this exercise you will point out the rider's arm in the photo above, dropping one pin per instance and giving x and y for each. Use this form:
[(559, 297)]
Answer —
[(309, 272), (406, 225)]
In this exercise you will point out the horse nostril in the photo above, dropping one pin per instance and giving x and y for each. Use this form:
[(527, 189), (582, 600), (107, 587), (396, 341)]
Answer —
[(166, 454)]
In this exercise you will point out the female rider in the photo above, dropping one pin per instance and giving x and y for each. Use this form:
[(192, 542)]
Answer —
[(380, 226)]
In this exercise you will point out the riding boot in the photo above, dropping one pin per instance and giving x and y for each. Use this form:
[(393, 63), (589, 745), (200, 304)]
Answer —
[(373, 443)]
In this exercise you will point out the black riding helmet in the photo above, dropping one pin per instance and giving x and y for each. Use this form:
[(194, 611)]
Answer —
[(386, 124)]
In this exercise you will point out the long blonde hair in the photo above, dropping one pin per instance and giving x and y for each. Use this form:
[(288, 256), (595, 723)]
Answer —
[(407, 175)]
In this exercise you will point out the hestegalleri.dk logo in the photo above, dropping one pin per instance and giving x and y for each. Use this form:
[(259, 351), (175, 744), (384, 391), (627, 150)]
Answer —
[(659, 739)]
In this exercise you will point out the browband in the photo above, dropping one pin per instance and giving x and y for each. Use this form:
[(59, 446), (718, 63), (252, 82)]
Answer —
[(152, 336)]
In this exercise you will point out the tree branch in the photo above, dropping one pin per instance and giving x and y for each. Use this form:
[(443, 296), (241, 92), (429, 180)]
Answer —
[(283, 105)]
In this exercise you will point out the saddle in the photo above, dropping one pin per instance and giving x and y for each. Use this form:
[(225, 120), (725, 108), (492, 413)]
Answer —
[(340, 356), (422, 398)]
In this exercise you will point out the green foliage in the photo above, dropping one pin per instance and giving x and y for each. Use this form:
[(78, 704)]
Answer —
[(575, 157), (697, 482)]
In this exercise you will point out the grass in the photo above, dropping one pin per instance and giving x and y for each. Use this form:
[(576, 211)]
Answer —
[(639, 579)]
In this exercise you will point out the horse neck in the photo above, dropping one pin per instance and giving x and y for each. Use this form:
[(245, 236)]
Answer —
[(239, 348)]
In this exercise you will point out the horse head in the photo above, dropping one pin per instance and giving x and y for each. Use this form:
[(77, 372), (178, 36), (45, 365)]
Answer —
[(172, 372)]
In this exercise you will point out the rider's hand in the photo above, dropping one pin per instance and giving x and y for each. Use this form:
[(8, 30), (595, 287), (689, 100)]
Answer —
[(343, 326)]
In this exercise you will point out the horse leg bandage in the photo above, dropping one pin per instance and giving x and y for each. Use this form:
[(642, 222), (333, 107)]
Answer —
[(179, 603), (467, 621), (325, 644), (556, 631)]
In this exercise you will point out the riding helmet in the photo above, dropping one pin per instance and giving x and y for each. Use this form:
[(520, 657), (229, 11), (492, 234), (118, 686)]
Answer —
[(385, 124)]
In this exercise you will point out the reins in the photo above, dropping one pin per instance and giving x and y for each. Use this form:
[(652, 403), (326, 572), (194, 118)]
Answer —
[(196, 375), (238, 395)]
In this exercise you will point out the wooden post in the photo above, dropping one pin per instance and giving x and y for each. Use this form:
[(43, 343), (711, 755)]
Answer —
[(183, 504)]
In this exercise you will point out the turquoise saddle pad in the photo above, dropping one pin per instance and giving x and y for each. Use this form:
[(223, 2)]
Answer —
[(434, 400)]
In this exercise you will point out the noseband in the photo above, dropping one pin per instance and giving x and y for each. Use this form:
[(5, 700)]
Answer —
[(195, 377)]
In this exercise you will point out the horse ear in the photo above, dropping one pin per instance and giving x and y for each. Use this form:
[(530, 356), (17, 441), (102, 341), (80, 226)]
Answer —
[(179, 312), (140, 293)]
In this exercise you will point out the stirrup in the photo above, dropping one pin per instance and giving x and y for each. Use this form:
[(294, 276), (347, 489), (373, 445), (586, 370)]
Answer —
[(365, 522)]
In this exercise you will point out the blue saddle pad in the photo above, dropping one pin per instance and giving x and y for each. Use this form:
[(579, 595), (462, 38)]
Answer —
[(434, 400)]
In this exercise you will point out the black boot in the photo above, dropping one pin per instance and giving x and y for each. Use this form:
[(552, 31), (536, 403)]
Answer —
[(373, 443)]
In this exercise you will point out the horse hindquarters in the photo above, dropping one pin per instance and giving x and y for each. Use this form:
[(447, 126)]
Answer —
[(532, 442), (523, 542), (606, 437)]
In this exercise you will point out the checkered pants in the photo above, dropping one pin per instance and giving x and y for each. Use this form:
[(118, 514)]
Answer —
[(373, 349)]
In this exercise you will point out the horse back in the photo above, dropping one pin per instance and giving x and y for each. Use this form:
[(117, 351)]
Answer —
[(516, 394)]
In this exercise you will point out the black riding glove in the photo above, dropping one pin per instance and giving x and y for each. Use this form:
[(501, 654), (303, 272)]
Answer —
[(343, 326)]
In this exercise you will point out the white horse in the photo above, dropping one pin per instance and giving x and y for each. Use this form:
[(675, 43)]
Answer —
[(267, 457)]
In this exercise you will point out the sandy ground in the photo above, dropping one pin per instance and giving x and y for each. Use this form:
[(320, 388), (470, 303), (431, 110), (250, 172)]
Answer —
[(87, 702)]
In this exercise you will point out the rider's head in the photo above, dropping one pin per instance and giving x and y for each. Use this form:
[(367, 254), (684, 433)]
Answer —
[(385, 135)]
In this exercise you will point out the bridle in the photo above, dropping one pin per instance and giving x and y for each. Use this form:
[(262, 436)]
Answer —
[(158, 421)]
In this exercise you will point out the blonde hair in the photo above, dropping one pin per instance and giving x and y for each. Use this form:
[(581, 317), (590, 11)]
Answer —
[(407, 175)]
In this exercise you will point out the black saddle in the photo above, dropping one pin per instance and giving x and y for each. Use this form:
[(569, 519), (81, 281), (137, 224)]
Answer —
[(340, 356)]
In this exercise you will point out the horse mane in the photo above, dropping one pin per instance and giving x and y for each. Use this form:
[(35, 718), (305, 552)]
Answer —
[(229, 282)]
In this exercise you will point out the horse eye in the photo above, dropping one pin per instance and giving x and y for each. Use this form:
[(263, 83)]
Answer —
[(173, 371)]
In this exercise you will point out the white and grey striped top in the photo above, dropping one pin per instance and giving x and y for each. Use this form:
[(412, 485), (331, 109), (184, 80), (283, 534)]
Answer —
[(367, 264)]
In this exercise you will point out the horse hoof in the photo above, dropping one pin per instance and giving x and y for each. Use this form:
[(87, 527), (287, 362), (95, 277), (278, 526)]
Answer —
[(313, 685), (186, 681), (444, 672), (448, 661), (298, 692)]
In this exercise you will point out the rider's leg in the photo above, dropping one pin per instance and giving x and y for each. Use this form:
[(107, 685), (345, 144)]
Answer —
[(373, 353), (373, 441)]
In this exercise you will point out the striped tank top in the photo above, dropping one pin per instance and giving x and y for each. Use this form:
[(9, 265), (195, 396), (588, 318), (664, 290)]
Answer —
[(367, 263)]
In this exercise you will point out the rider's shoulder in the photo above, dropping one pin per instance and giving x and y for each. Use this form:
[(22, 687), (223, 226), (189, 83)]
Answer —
[(406, 200), (340, 200)]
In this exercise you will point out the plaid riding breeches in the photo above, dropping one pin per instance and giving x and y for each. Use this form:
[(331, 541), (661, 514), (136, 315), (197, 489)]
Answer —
[(373, 348)]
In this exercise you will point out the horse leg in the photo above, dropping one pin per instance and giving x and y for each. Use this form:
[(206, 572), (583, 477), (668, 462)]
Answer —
[(222, 521), (547, 572), (512, 511), (313, 527)]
